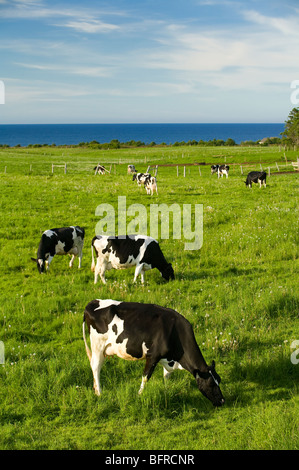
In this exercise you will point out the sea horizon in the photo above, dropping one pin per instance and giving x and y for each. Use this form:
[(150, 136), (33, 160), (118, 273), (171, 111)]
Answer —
[(168, 133)]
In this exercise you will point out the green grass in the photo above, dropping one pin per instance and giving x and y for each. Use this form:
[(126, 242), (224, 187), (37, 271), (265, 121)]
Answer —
[(239, 292)]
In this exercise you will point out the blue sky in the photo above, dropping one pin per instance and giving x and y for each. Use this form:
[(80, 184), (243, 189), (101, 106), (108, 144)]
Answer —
[(119, 61)]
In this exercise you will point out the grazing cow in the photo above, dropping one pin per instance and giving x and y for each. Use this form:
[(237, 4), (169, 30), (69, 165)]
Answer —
[(150, 185), (59, 241), (140, 177), (131, 169), (126, 251), (256, 177), (223, 170), (133, 331), (100, 169), (220, 170)]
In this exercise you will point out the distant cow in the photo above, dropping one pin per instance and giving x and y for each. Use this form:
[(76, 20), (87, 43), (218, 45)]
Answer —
[(150, 185), (134, 331), (127, 251), (256, 177), (140, 177), (100, 169), (131, 169), (59, 241), (220, 170)]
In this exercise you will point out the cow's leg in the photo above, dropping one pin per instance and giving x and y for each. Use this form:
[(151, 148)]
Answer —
[(139, 270), (48, 262), (96, 363), (100, 270), (169, 367), (149, 368), (80, 254), (72, 261)]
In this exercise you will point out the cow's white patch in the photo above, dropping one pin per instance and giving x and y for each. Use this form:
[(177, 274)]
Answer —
[(106, 303), (49, 233), (106, 343), (59, 248)]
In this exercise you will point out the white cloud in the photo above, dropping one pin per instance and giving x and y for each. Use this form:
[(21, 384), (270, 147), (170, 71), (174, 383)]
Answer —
[(82, 70), (92, 26)]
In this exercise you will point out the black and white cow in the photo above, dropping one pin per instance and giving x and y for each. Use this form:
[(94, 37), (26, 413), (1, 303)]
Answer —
[(256, 177), (220, 170), (126, 251), (134, 331), (150, 185), (59, 241), (140, 178)]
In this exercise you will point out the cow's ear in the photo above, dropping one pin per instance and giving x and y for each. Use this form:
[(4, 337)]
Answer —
[(34, 259)]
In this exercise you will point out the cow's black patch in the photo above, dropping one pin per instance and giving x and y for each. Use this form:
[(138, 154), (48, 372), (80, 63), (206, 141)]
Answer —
[(123, 247)]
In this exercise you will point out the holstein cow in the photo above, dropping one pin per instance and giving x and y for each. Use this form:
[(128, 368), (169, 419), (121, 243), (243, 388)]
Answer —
[(150, 185), (140, 177), (59, 241), (126, 251), (133, 331), (220, 170), (256, 177)]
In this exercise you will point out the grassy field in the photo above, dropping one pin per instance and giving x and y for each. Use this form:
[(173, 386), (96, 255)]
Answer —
[(239, 291)]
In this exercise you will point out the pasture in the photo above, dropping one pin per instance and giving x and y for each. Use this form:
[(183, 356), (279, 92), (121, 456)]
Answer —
[(239, 291)]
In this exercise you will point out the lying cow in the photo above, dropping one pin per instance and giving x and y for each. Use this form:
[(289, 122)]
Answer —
[(140, 178), (59, 241), (150, 185), (126, 251), (220, 170), (133, 331), (256, 177)]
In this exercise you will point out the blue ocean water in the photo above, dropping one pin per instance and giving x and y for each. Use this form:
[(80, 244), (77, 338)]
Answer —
[(72, 134)]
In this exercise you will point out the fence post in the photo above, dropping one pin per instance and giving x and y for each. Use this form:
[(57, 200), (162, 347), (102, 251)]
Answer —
[(177, 170), (65, 168), (277, 166), (184, 171), (199, 170), (52, 168), (241, 169), (269, 171)]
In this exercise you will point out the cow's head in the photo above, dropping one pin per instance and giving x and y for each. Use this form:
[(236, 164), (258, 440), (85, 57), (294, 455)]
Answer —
[(168, 272), (40, 265), (208, 383)]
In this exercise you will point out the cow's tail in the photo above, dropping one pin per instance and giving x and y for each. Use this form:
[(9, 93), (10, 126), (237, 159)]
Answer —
[(88, 351)]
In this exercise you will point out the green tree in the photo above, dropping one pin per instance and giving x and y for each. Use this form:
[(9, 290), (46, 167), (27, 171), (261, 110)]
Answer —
[(291, 132)]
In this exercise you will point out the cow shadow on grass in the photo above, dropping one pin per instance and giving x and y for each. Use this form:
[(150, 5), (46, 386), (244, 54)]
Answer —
[(173, 397), (270, 380)]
